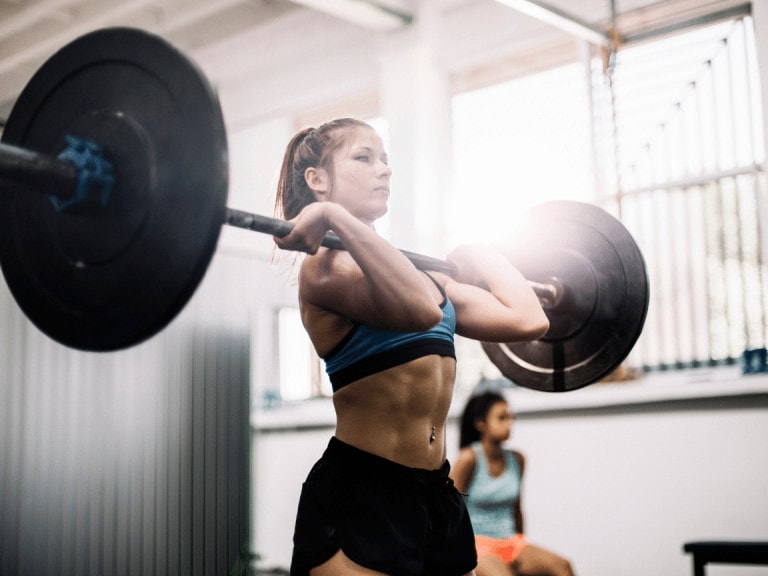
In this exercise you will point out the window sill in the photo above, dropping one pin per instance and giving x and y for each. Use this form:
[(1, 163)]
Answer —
[(653, 390), (673, 388)]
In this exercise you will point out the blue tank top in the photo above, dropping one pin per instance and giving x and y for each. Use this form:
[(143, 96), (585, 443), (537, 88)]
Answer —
[(366, 350), (490, 500)]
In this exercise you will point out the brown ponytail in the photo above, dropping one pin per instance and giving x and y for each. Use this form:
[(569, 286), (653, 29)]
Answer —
[(309, 148)]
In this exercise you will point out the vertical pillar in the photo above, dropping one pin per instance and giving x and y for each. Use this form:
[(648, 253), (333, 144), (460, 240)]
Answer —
[(760, 17), (416, 102)]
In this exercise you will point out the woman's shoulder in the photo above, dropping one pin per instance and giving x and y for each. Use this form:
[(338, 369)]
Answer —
[(317, 270), (467, 455), (519, 457), (320, 301), (329, 280)]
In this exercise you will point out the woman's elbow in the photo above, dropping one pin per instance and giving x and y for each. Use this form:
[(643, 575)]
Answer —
[(541, 325), (416, 318), (541, 330), (517, 329), (426, 318), (536, 327)]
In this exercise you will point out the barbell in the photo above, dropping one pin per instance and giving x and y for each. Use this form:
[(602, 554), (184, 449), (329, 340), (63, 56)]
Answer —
[(114, 176)]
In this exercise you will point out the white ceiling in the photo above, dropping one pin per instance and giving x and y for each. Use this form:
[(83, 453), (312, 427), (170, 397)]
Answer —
[(32, 30)]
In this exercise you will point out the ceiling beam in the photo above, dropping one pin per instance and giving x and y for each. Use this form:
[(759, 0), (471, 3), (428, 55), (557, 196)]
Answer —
[(560, 19), (33, 52), (367, 13), (685, 21), (30, 16)]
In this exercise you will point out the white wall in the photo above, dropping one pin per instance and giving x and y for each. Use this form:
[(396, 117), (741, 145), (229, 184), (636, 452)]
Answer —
[(618, 476)]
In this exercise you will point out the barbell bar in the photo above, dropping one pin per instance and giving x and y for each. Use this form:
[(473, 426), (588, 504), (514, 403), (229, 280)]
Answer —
[(247, 220), (60, 179), (124, 137)]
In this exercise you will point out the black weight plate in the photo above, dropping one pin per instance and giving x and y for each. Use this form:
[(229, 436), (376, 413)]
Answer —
[(600, 316), (98, 278)]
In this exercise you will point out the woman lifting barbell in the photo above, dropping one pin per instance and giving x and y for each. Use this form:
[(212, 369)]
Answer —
[(380, 500)]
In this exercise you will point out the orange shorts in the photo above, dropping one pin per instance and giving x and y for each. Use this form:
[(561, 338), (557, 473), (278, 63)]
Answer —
[(505, 549)]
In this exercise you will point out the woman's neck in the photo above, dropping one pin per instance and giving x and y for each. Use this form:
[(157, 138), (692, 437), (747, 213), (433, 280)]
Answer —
[(492, 447)]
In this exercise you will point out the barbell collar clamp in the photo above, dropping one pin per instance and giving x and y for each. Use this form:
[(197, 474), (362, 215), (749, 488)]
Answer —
[(68, 179), (550, 293)]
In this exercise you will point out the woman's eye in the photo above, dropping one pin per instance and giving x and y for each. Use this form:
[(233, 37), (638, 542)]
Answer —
[(362, 158)]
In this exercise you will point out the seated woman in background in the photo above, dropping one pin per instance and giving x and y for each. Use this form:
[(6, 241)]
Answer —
[(491, 476)]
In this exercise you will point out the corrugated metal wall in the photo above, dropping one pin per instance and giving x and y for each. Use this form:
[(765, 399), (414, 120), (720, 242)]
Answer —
[(128, 463)]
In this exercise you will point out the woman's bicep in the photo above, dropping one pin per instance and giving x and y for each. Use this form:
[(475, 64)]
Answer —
[(481, 316), (334, 282)]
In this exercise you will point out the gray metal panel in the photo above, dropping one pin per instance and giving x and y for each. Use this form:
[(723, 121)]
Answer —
[(119, 471)]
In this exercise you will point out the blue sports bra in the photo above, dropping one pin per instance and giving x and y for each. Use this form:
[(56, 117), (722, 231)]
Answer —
[(366, 350)]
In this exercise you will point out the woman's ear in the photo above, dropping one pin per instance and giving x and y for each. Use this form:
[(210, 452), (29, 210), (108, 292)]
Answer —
[(479, 424), (318, 182)]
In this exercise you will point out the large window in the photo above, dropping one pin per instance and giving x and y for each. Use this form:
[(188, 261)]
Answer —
[(688, 181), (678, 155), (515, 145), (518, 144)]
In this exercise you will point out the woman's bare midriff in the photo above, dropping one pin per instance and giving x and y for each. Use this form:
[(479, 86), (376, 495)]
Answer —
[(399, 414)]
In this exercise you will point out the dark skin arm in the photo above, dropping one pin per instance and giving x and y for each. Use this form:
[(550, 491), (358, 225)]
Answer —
[(517, 510), (463, 469)]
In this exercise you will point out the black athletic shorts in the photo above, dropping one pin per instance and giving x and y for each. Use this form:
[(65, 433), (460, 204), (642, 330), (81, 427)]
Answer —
[(384, 516)]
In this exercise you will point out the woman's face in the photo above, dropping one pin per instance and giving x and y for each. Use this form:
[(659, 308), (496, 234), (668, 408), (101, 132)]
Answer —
[(361, 175), (498, 422)]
